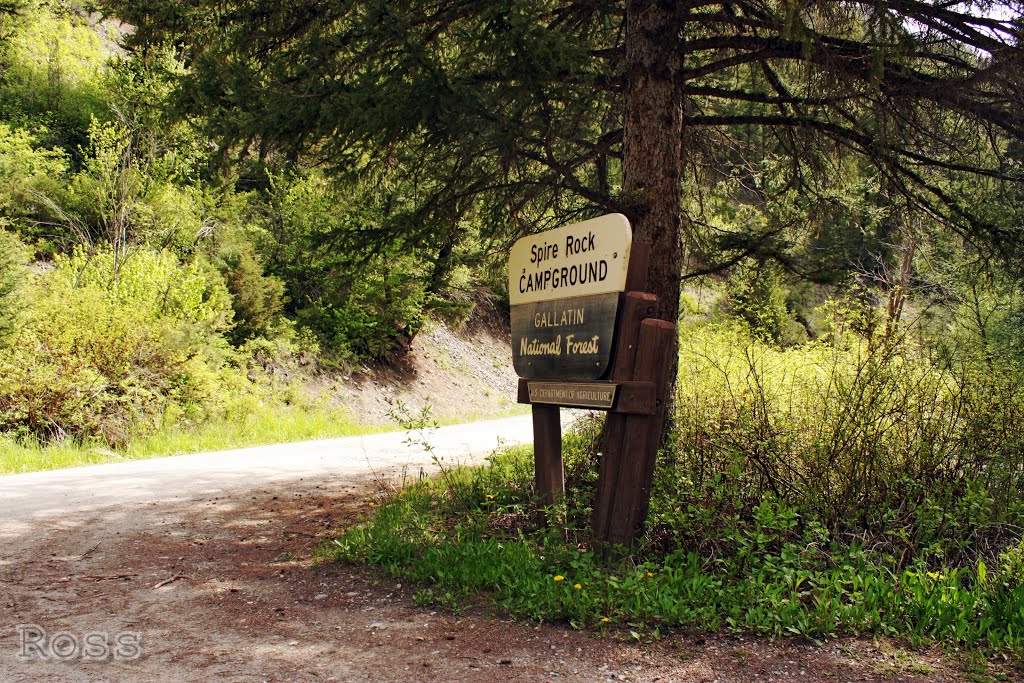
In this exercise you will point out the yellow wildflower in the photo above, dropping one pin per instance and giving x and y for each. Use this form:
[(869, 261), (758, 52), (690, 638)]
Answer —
[(559, 578), (605, 620), (577, 586)]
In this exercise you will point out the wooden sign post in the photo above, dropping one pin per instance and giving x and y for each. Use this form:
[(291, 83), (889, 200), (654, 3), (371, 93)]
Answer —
[(584, 337)]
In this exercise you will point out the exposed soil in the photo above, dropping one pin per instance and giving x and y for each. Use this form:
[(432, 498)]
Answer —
[(224, 589), (456, 374)]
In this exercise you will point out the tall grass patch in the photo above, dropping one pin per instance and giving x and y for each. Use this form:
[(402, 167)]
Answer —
[(920, 454)]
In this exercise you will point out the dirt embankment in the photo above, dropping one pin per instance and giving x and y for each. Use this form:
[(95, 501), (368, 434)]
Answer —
[(457, 374)]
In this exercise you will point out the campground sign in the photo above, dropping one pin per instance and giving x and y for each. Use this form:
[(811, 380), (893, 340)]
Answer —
[(583, 336), (565, 288)]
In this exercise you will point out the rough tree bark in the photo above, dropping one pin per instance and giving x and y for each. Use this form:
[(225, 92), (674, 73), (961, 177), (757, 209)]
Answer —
[(652, 147), (652, 143)]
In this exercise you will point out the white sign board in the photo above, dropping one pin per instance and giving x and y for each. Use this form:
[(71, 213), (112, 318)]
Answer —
[(582, 259)]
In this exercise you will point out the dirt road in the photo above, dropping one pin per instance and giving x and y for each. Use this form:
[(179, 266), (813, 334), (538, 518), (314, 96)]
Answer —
[(26, 497), (202, 572)]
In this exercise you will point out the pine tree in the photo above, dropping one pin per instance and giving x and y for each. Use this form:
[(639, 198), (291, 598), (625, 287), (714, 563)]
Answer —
[(523, 114)]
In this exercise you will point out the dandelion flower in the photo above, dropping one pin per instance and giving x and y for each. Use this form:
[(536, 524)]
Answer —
[(650, 574), (559, 578), (605, 620), (577, 586)]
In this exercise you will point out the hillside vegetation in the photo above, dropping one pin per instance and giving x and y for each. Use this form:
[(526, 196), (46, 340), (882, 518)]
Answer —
[(149, 286)]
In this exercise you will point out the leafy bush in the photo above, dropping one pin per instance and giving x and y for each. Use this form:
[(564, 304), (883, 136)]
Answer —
[(155, 283), (124, 195), (26, 172), (11, 276), (106, 353), (55, 74), (377, 315)]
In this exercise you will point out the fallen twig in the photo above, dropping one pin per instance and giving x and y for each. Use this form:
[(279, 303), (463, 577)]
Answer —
[(109, 577), (170, 580), (89, 551)]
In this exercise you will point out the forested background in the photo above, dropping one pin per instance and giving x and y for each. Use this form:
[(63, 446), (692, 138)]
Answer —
[(198, 202), (150, 277)]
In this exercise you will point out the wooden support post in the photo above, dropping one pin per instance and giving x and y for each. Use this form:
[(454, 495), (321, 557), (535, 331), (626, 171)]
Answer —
[(642, 436), (636, 306), (639, 265), (632, 347), (547, 454)]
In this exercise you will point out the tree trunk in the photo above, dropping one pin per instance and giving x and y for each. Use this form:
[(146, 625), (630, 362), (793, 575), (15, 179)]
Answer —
[(652, 143), (652, 149)]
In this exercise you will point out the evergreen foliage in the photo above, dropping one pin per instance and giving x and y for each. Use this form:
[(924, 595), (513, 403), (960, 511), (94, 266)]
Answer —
[(256, 299), (516, 112)]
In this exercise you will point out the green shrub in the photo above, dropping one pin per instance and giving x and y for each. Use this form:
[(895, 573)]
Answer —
[(26, 173), (54, 80), (757, 296), (377, 315), (12, 272), (256, 299), (353, 270), (154, 282), (107, 353), (919, 456)]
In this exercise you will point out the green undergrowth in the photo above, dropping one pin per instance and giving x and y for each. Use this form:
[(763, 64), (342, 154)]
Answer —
[(470, 536), (269, 425), (847, 486)]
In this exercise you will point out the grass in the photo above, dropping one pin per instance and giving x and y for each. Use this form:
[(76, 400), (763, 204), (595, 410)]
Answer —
[(269, 425), (469, 537)]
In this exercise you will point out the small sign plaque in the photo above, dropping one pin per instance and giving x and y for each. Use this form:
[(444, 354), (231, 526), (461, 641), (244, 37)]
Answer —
[(574, 394)]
